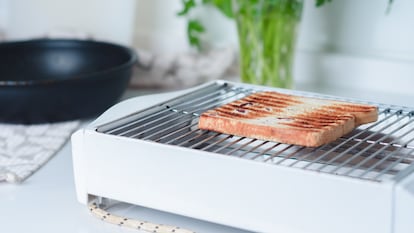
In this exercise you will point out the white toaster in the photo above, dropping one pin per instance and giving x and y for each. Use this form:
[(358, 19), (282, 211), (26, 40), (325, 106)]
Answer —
[(148, 151)]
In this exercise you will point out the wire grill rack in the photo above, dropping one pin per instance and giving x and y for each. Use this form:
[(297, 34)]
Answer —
[(379, 151)]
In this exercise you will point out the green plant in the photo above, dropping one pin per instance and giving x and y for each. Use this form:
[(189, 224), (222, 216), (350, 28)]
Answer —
[(267, 35), (266, 31), (194, 26)]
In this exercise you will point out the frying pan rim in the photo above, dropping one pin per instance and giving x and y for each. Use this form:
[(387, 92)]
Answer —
[(86, 76)]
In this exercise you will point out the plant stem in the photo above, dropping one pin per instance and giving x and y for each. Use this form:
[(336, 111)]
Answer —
[(267, 32)]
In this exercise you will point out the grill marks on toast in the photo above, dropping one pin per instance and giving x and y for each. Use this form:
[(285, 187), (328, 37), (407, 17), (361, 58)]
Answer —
[(255, 106), (273, 99), (317, 120), (276, 96), (288, 119)]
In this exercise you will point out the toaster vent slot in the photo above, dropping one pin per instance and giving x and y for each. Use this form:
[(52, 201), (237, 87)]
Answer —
[(377, 151)]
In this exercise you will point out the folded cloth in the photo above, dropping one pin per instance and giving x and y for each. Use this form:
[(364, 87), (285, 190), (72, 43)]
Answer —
[(179, 70), (26, 148)]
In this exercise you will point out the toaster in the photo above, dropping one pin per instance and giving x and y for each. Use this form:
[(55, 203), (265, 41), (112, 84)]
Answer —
[(148, 151)]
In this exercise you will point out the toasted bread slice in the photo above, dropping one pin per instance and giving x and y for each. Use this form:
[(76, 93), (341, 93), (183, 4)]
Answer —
[(278, 117)]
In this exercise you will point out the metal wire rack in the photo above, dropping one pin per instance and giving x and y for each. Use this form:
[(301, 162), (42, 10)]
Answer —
[(378, 151)]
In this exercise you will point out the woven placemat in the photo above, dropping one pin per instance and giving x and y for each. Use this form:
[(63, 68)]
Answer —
[(26, 148)]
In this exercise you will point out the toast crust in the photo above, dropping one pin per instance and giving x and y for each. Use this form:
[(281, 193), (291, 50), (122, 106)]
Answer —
[(273, 116)]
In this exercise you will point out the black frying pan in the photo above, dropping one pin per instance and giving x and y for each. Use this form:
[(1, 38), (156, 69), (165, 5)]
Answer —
[(57, 80)]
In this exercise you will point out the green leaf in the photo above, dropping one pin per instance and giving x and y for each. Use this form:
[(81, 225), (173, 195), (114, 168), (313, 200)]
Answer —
[(195, 26), (319, 3), (224, 6), (188, 4), (194, 30)]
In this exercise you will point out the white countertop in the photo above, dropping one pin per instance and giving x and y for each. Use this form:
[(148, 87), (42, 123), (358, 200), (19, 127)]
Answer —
[(46, 202)]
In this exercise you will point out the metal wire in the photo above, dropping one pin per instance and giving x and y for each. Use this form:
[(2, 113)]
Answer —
[(348, 141), (376, 152), (302, 158), (360, 142)]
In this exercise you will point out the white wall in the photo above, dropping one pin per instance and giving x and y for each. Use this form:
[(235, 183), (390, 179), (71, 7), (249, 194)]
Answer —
[(356, 45), (110, 20), (352, 44), (158, 28), (354, 27), (360, 27)]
